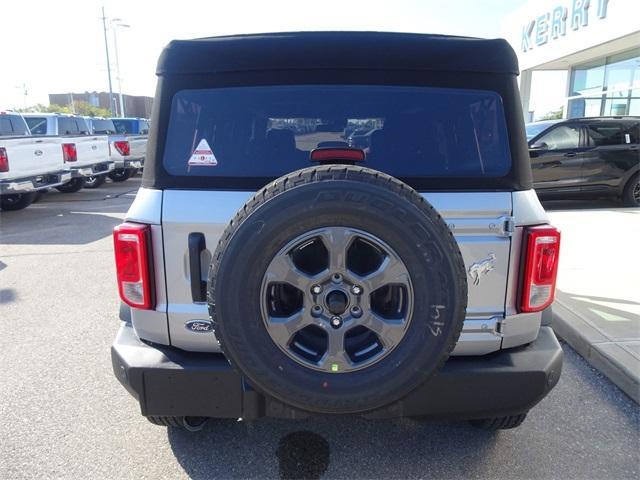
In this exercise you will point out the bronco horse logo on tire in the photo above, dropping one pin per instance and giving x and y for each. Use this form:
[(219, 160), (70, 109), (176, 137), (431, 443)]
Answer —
[(482, 268)]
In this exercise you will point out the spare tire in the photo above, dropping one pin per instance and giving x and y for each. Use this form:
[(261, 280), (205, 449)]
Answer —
[(337, 289)]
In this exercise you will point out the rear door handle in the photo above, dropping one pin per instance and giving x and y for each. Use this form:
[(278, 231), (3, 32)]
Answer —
[(570, 154), (197, 245)]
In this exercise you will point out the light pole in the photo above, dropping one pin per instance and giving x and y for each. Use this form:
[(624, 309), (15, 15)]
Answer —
[(106, 47), (115, 23)]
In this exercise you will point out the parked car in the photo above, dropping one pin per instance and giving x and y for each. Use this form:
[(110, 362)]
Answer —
[(587, 157), (28, 164), (260, 277), (535, 128), (131, 125), (129, 146), (91, 151), (105, 126)]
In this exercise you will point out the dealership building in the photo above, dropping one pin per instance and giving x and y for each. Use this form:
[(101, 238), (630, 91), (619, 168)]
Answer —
[(596, 41)]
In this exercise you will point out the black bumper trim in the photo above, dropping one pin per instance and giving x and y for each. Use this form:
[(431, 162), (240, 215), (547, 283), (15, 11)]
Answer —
[(168, 381)]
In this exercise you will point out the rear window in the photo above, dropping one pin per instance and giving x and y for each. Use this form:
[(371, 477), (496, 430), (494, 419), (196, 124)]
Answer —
[(101, 126), (631, 133), (124, 126), (270, 131), (12, 125), (143, 127), (37, 125), (72, 126), (605, 134)]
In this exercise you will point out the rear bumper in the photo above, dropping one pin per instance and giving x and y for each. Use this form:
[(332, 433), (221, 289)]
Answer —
[(130, 163), (92, 170), (34, 183), (168, 381)]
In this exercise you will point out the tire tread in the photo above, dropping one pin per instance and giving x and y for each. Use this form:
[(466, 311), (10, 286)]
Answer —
[(320, 174)]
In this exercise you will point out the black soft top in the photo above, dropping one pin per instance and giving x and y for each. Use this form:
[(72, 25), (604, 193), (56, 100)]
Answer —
[(337, 50), (339, 58)]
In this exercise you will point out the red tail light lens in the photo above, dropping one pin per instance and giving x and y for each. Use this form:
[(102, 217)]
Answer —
[(123, 147), (4, 160), (132, 245), (329, 154), (69, 152), (542, 249)]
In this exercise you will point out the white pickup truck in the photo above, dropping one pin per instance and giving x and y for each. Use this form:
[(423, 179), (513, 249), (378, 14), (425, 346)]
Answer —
[(28, 164), (127, 148), (91, 151)]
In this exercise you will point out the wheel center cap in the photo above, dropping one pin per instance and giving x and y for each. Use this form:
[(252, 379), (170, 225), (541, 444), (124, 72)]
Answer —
[(337, 302)]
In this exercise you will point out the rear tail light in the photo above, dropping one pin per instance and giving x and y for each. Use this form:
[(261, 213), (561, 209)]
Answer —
[(69, 152), (341, 154), (132, 245), (4, 160), (540, 269), (123, 147)]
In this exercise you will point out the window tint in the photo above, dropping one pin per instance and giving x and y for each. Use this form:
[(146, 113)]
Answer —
[(103, 126), (37, 125), (602, 135), (124, 126), (562, 137), (83, 125), (12, 125), (631, 133), (270, 131), (534, 129), (143, 127), (72, 126)]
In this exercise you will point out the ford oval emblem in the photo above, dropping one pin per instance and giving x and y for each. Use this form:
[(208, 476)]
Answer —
[(38, 153), (94, 147), (199, 326)]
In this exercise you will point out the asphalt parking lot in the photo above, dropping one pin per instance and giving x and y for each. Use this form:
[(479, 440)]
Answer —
[(63, 413)]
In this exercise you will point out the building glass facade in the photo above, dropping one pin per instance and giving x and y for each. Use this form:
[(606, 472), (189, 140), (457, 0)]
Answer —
[(606, 86)]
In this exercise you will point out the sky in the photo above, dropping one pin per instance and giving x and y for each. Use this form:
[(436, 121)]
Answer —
[(58, 46)]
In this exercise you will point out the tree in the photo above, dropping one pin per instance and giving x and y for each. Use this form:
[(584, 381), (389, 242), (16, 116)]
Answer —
[(553, 115), (54, 108), (79, 108), (85, 108)]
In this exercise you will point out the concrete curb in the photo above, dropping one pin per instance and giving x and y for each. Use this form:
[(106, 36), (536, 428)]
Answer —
[(608, 357)]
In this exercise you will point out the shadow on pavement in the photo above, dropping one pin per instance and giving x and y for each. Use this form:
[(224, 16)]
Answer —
[(57, 227), (350, 447), (585, 428), (302, 455), (67, 219)]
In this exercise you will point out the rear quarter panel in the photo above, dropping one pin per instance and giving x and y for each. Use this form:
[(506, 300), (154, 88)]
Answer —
[(138, 145), (91, 149), (29, 156)]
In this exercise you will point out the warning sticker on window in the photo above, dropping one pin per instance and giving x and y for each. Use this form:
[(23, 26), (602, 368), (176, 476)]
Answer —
[(203, 156)]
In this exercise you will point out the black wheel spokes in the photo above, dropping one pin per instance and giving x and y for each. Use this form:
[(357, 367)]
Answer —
[(337, 299)]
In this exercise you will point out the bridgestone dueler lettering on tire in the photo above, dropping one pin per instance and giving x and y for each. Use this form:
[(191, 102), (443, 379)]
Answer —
[(337, 255)]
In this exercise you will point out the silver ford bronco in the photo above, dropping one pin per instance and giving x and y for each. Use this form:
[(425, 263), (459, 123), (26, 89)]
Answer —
[(337, 223)]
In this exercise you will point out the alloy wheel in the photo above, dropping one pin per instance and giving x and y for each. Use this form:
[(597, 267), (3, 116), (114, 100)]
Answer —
[(336, 299)]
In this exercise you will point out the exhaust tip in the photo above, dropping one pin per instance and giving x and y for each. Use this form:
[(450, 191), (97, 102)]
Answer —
[(194, 424)]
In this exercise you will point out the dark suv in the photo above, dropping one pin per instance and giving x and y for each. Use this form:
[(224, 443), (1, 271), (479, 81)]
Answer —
[(598, 156)]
